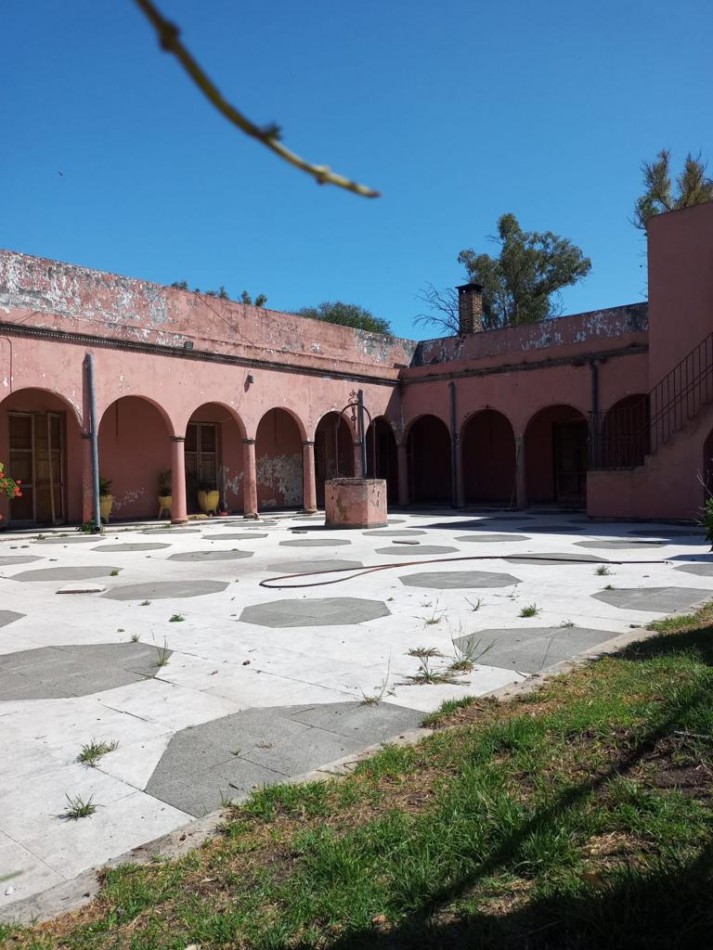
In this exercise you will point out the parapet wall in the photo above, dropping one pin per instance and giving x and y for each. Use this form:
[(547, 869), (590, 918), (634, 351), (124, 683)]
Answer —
[(616, 325), (37, 292)]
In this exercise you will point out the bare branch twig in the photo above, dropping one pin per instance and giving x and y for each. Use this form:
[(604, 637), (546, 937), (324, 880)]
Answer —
[(169, 39)]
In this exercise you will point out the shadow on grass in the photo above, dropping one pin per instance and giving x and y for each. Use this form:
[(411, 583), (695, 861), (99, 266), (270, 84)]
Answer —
[(697, 643), (669, 907), (658, 911)]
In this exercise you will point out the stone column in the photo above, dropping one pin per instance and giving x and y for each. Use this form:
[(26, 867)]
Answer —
[(520, 476), (87, 481), (309, 480), (401, 452), (179, 509), (249, 479), (460, 493), (357, 461)]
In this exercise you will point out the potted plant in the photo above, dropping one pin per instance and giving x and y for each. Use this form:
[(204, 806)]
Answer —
[(9, 487), (165, 489), (106, 499), (208, 497)]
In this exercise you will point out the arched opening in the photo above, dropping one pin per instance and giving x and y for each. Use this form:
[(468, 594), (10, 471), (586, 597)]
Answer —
[(214, 456), (278, 460), (41, 445), (382, 456), (625, 436), (333, 451), (134, 447), (488, 452), (556, 457), (429, 466)]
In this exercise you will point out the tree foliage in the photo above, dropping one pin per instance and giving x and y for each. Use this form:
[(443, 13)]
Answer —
[(520, 285), (222, 294), (346, 315), (693, 187)]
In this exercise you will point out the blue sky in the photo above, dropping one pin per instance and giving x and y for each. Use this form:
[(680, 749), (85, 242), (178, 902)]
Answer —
[(456, 111)]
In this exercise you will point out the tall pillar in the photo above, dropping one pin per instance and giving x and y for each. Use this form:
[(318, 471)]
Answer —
[(179, 509), (87, 480), (249, 479), (357, 461), (520, 473), (401, 451), (309, 480), (458, 458)]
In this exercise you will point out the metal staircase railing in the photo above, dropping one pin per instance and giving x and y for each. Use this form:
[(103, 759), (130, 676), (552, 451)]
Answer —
[(622, 437)]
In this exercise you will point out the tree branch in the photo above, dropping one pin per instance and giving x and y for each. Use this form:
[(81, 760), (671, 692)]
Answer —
[(169, 40)]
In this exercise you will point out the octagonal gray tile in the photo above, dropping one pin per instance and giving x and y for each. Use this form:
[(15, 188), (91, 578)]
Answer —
[(315, 612), (166, 590), (457, 580), (76, 670)]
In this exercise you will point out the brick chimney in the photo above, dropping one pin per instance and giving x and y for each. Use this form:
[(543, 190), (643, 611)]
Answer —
[(470, 308)]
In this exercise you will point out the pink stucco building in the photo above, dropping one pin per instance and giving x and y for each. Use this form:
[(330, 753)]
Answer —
[(611, 411)]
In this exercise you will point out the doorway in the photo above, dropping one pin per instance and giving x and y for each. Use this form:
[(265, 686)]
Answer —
[(37, 459)]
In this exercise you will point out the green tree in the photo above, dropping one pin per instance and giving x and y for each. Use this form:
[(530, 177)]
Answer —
[(521, 284), (259, 301), (346, 315), (693, 187)]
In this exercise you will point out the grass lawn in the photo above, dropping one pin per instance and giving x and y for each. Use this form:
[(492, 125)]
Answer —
[(577, 817)]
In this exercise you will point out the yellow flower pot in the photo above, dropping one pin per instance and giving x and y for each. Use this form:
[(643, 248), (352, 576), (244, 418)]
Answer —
[(105, 505), (164, 504), (208, 501)]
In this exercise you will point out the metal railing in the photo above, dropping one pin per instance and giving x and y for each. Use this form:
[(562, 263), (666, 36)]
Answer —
[(624, 436)]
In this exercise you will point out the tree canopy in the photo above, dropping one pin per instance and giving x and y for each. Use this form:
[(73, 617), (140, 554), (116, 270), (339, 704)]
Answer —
[(693, 187), (346, 315), (520, 285)]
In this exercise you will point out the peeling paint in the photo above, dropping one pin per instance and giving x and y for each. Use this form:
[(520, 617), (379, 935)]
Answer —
[(282, 476), (597, 325)]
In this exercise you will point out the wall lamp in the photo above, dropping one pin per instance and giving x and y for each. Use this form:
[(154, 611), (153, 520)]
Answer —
[(188, 344), (250, 379)]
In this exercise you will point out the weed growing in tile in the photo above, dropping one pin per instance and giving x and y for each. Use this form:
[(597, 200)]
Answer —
[(609, 587), (163, 654), (134, 638), (532, 610), (426, 673), (373, 699), (467, 656), (474, 605), (78, 807), (177, 618), (602, 570), (144, 603), (435, 616), (567, 623), (93, 751)]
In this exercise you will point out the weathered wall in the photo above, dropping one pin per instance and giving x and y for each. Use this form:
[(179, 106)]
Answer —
[(680, 251), (42, 293), (278, 453), (668, 485), (617, 326)]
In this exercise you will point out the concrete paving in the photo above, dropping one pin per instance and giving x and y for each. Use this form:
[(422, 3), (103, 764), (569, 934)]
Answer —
[(212, 684)]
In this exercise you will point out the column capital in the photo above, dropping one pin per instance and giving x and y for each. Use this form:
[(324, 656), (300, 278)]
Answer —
[(248, 441), (177, 438)]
